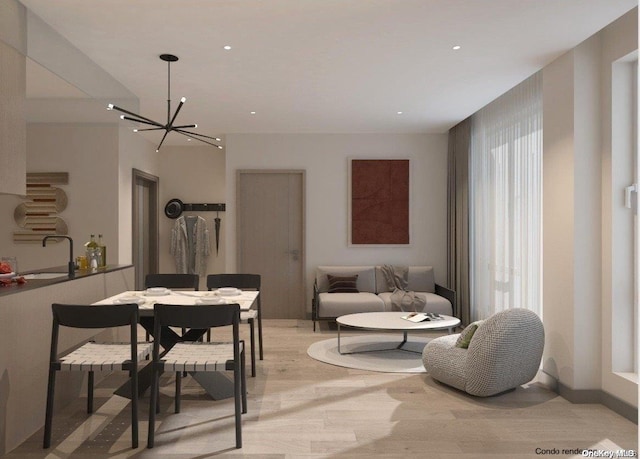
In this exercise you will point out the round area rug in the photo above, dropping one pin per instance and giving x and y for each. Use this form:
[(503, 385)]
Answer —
[(372, 352)]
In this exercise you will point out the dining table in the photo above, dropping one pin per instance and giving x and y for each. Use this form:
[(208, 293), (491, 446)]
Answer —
[(216, 384)]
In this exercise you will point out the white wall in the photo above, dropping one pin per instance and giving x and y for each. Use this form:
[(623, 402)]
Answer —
[(89, 153), (194, 175), (577, 145), (325, 158)]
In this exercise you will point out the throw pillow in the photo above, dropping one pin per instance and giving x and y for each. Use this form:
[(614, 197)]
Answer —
[(342, 284), (465, 337)]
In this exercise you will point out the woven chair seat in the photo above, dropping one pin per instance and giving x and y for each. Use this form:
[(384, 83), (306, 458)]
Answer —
[(102, 357), (199, 356), (247, 315)]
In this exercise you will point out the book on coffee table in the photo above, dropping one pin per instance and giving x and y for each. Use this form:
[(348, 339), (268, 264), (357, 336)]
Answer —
[(421, 316)]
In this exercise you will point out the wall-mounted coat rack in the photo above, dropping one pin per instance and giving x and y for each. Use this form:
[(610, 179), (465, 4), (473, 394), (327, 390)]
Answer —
[(175, 207)]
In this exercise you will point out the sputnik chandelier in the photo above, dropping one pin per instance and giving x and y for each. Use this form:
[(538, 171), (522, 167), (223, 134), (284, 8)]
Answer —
[(169, 126)]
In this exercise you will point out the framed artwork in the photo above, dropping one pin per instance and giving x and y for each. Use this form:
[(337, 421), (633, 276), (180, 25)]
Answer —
[(379, 202)]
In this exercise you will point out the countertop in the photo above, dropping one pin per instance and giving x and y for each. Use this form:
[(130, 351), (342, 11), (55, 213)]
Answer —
[(38, 283)]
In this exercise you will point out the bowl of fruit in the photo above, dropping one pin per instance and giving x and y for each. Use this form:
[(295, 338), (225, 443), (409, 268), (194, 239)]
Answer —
[(7, 276)]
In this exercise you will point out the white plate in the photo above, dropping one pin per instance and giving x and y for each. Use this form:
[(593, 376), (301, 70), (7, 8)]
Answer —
[(228, 291), (211, 301), (7, 275), (129, 300), (157, 291)]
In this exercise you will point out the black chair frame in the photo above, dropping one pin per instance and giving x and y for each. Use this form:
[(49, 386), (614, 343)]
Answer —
[(202, 318), (90, 317), (247, 282), (172, 280)]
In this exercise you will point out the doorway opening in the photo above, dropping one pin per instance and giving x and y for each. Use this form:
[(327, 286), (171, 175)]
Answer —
[(145, 225)]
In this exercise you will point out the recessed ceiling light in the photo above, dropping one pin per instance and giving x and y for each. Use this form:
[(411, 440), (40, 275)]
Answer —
[(253, 113), (399, 113), (227, 47), (457, 47)]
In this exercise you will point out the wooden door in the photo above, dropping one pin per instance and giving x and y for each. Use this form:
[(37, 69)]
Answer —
[(145, 225), (270, 226)]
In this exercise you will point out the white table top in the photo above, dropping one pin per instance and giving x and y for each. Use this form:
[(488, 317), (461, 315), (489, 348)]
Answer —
[(245, 299), (393, 320)]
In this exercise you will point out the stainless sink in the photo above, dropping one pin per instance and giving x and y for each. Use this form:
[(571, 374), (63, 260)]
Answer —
[(45, 275)]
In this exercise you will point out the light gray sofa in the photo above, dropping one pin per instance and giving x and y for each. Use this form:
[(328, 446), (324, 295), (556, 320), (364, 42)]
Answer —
[(504, 352), (373, 294)]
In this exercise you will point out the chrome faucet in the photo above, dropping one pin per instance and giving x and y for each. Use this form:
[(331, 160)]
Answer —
[(72, 265)]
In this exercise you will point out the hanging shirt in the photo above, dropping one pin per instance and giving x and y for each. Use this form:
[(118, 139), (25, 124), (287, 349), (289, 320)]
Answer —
[(190, 245)]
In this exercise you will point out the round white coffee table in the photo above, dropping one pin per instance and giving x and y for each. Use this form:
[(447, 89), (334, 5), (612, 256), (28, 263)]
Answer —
[(393, 321)]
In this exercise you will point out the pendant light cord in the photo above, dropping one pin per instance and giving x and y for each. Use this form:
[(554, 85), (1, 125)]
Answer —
[(168, 91)]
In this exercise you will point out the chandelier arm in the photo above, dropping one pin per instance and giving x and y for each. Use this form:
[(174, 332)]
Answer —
[(155, 123), (182, 131), (138, 120), (190, 134), (175, 115), (162, 141), (186, 126), (151, 129)]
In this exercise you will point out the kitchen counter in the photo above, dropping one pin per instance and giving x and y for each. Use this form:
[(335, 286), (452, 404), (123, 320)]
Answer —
[(38, 283), (25, 339)]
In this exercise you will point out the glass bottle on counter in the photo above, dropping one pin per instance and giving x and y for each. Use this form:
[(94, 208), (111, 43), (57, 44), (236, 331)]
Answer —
[(103, 252), (93, 252)]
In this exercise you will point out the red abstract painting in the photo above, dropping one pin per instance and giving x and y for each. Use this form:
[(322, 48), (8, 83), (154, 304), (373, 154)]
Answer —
[(380, 201)]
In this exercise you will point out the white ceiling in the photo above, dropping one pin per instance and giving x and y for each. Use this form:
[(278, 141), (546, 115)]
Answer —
[(324, 66)]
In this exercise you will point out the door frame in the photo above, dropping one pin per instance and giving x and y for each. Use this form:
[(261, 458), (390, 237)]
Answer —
[(303, 249), (154, 237)]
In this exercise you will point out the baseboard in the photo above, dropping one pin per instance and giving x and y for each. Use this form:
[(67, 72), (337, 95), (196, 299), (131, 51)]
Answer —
[(621, 407)]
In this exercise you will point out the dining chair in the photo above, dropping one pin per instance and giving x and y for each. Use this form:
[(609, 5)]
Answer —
[(246, 282), (172, 280), (92, 356), (199, 356)]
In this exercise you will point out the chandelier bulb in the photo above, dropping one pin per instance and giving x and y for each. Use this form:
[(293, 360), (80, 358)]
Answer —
[(110, 107), (183, 100), (121, 117), (135, 130), (195, 126)]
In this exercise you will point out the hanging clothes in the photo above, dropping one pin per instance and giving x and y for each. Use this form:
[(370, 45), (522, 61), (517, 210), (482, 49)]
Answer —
[(190, 245)]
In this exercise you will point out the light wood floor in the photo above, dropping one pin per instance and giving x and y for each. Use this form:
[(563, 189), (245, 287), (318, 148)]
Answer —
[(301, 408)]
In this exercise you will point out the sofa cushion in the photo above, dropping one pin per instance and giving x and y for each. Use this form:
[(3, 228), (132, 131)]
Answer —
[(342, 284), (366, 277), (339, 304), (434, 303), (421, 279)]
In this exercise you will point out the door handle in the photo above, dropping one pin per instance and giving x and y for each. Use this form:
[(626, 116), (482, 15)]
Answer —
[(627, 195)]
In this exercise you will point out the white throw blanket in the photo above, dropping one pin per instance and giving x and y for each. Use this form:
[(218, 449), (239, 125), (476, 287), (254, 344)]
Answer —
[(402, 299)]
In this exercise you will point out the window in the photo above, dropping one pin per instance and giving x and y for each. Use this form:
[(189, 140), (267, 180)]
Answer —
[(506, 199), (625, 238)]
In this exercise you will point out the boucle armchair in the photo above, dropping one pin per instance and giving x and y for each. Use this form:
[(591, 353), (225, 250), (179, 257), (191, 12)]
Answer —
[(504, 352)]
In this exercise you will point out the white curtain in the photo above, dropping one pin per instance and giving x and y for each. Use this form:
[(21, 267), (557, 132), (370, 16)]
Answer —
[(505, 196)]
